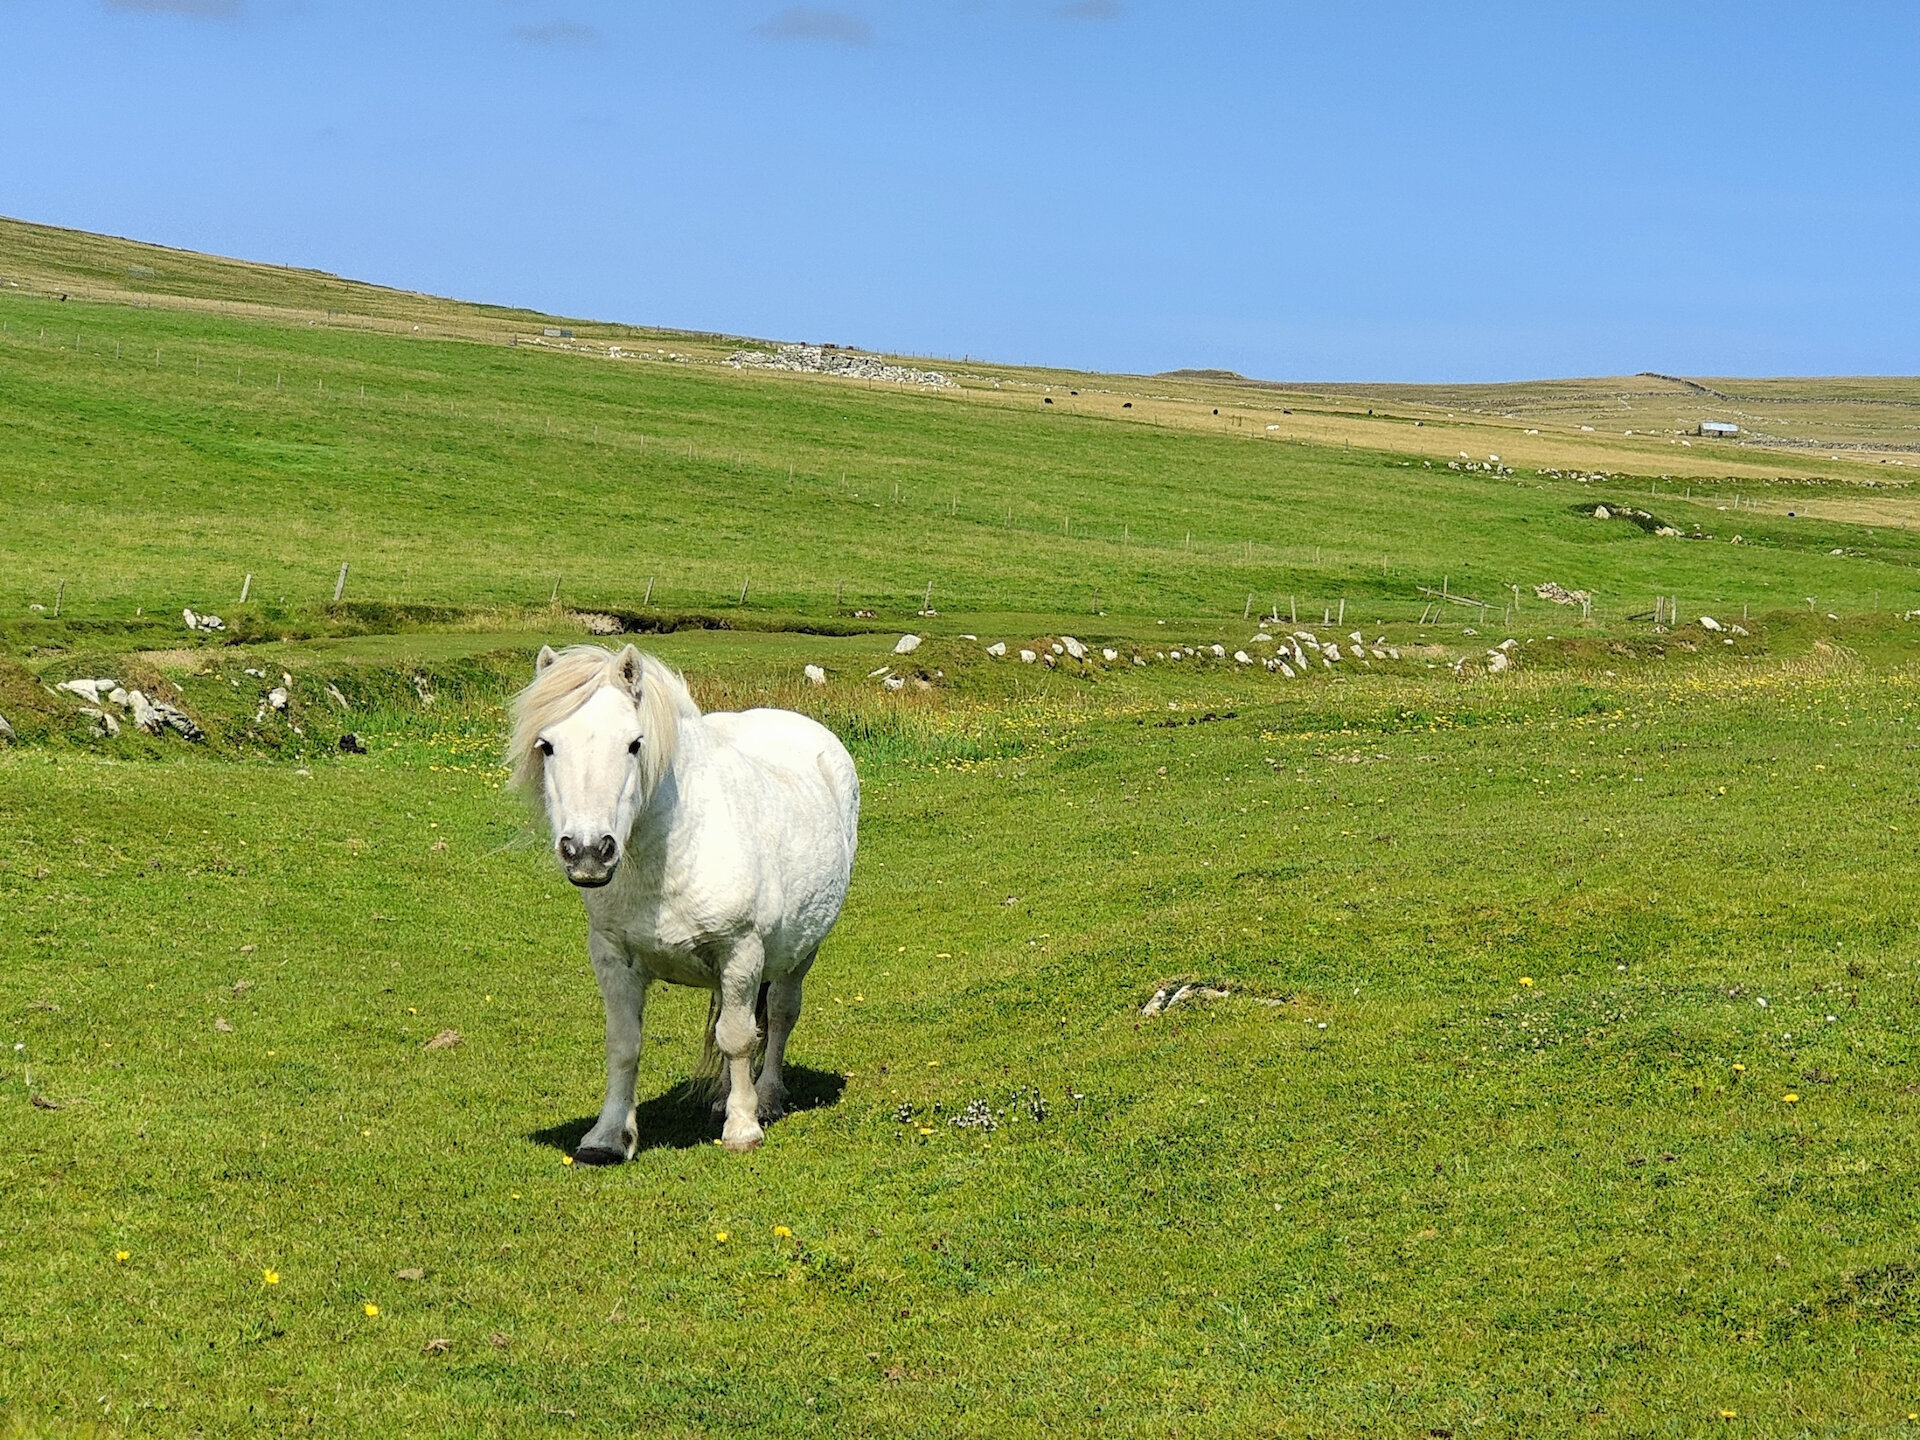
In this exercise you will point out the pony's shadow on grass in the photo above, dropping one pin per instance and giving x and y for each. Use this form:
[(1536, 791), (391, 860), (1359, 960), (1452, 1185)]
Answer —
[(683, 1117)]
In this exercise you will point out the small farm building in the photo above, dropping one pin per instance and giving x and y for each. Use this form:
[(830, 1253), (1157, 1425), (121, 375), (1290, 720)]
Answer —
[(1718, 427)]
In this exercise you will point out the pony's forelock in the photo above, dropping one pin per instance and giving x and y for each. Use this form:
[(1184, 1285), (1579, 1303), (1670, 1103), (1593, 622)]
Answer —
[(567, 683)]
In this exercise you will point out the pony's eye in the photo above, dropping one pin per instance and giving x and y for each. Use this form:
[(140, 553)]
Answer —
[(544, 745), (634, 748)]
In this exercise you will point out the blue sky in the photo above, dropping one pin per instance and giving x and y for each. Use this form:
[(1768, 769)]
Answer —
[(1339, 192)]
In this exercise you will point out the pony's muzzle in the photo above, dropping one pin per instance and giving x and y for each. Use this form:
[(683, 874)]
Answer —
[(589, 865)]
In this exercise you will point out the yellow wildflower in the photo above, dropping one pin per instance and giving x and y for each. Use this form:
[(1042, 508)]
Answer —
[(1790, 1098), (720, 1237), (1526, 979), (123, 1255), (371, 1309), (270, 1277), (566, 1159), (783, 1232)]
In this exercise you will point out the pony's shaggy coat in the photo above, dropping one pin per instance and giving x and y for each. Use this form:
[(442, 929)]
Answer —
[(713, 850)]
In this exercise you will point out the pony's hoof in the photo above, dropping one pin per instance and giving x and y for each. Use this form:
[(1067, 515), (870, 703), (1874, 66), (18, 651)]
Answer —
[(598, 1155), (746, 1140), (772, 1107)]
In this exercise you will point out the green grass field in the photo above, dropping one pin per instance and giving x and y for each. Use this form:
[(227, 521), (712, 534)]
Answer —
[(1491, 1135)]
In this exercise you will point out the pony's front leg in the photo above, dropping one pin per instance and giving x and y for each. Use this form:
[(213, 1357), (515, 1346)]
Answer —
[(734, 1035), (623, 988)]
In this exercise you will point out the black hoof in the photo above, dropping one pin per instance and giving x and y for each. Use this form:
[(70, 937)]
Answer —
[(595, 1155)]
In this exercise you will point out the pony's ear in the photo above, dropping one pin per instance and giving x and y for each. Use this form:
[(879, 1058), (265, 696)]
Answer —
[(545, 658), (626, 665)]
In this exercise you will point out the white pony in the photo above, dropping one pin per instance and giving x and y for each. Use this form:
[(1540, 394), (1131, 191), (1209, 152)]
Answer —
[(710, 850)]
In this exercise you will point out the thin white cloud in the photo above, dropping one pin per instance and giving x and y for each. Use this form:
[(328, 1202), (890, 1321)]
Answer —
[(801, 23), (199, 9), (557, 32)]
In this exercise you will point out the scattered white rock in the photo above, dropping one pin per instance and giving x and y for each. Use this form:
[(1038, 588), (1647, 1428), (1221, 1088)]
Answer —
[(145, 716), (1736, 629), (85, 689), (1263, 638), (1027, 657), (997, 649), (1707, 622), (1497, 661), (1219, 652), (1331, 652), (1173, 655), (895, 682), (333, 694), (1109, 654), (908, 644), (1560, 595), (1240, 657), (6, 730), (816, 674), (108, 725), (1139, 659), (1057, 648), (1286, 670), (883, 670), (1073, 647), (202, 622), (819, 360), (277, 697), (1165, 998)]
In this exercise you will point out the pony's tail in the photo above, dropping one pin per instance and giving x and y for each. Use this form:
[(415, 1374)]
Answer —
[(706, 1074)]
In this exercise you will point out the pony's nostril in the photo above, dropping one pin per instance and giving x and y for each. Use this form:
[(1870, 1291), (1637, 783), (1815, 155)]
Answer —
[(605, 849), (569, 849)]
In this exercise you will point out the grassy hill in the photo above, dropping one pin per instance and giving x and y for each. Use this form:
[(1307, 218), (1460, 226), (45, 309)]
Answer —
[(164, 452), (1564, 1082)]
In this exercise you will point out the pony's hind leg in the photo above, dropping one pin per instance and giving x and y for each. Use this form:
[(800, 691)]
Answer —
[(783, 1010), (723, 1084), (735, 1035)]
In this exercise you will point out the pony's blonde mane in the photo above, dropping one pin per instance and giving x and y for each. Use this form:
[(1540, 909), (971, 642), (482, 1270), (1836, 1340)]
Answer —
[(568, 683)]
